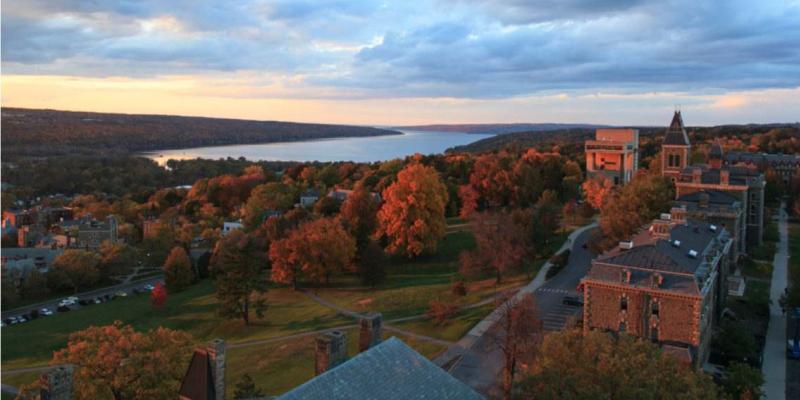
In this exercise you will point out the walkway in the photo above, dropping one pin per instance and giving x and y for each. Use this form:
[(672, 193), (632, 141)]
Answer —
[(774, 365)]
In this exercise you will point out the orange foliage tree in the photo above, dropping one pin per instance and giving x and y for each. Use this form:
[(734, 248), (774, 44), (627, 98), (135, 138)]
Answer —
[(596, 189), (501, 245), (114, 361), (412, 216), (312, 252), (178, 273)]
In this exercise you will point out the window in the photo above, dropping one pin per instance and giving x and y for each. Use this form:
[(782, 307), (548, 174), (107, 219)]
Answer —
[(677, 160), (623, 303), (654, 334), (622, 327), (655, 308)]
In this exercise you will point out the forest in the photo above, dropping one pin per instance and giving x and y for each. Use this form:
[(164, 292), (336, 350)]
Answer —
[(38, 133)]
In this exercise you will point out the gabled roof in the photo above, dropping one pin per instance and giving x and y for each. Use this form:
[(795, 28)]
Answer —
[(676, 133), (198, 383), (388, 371)]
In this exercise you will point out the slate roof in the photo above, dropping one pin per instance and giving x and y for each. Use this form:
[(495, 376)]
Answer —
[(676, 133), (736, 175), (388, 371), (714, 197), (198, 383), (759, 158)]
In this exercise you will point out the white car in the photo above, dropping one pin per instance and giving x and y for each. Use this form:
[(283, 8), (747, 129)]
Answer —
[(45, 311), (67, 302), (149, 287)]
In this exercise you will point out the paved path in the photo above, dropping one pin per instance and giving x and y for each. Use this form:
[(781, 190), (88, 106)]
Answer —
[(9, 389), (476, 359), (774, 365)]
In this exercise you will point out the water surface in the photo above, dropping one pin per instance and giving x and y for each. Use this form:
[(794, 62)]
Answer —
[(361, 149)]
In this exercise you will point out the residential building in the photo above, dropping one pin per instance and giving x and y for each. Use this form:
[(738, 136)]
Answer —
[(613, 154), (309, 197), (666, 284), (342, 194), (229, 226)]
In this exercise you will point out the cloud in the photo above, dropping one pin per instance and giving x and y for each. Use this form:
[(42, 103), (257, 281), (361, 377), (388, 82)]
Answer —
[(352, 49)]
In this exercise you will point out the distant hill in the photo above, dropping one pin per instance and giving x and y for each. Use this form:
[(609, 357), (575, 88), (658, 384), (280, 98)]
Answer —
[(29, 132), (498, 129)]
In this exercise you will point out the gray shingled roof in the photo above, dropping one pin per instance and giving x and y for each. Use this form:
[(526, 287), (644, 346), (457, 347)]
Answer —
[(676, 134), (388, 371), (714, 197)]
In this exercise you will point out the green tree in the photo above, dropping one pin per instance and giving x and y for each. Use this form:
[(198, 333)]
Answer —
[(743, 382), (269, 196), (9, 291), (75, 269), (626, 210), (571, 365), (35, 285), (178, 272), (238, 269)]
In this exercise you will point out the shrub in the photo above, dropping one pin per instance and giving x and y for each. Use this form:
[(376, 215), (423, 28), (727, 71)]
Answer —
[(459, 288), (441, 312)]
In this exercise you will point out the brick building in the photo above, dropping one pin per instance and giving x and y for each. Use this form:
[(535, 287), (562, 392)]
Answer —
[(666, 284), (88, 233), (785, 165), (745, 184), (613, 154)]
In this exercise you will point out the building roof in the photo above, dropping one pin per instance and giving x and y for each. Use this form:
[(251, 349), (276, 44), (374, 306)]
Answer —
[(198, 383), (676, 133), (714, 197), (740, 176), (757, 158), (716, 150), (388, 371)]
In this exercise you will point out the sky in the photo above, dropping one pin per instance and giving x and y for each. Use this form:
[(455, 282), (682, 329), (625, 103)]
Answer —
[(620, 62)]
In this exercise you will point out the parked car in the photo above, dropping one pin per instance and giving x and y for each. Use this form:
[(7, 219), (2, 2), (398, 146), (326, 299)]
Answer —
[(149, 287), (85, 302), (69, 301), (98, 300), (138, 291), (21, 319), (572, 301), (9, 321), (121, 293), (45, 311), (32, 314), (63, 308)]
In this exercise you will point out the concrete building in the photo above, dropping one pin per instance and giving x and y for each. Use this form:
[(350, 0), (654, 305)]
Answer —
[(613, 154), (666, 284)]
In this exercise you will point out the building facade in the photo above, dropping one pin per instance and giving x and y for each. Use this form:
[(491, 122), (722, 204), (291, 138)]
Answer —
[(676, 149), (666, 284), (613, 154), (785, 165)]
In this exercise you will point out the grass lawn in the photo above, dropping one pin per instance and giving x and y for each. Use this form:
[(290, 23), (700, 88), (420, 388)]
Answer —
[(193, 311), (452, 330), (757, 269), (279, 367)]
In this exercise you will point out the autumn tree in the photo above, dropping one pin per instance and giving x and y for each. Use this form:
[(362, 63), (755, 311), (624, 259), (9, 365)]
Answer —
[(517, 335), (441, 311), (76, 269), (546, 217), (237, 266), (158, 297), (116, 258), (596, 365), (9, 291), (312, 252), (178, 272), (247, 389), (491, 179), (743, 382), (412, 216), (595, 190), (371, 264), (35, 285), (269, 196), (638, 202), (115, 361), (359, 215), (501, 245)]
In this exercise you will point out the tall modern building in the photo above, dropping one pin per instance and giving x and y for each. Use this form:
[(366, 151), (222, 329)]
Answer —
[(613, 154)]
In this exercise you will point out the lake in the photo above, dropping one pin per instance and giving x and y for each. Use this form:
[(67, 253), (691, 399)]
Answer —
[(362, 149)]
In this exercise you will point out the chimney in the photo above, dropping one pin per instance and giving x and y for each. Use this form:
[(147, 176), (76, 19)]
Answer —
[(370, 333), (724, 177), (331, 351), (57, 383), (216, 356), (697, 175)]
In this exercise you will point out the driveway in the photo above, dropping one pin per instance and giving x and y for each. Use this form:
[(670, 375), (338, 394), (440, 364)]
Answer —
[(477, 360)]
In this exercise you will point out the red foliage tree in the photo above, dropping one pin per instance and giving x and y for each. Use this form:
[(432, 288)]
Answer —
[(596, 190), (500, 245), (158, 297)]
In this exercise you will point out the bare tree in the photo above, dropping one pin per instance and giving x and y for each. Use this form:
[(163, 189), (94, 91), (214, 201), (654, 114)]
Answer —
[(518, 333)]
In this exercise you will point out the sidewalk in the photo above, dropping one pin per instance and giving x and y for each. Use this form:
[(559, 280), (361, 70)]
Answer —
[(774, 365)]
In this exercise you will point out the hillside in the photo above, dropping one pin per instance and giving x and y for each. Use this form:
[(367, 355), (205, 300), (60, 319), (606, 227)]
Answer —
[(28, 132), (498, 129)]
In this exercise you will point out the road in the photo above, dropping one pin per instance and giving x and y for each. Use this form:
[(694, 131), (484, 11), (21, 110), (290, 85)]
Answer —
[(53, 304), (774, 365), (477, 360)]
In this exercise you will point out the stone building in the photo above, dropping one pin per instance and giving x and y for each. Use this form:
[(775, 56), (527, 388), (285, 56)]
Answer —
[(785, 165), (676, 149), (88, 233), (721, 209), (666, 284), (613, 154), (746, 185)]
